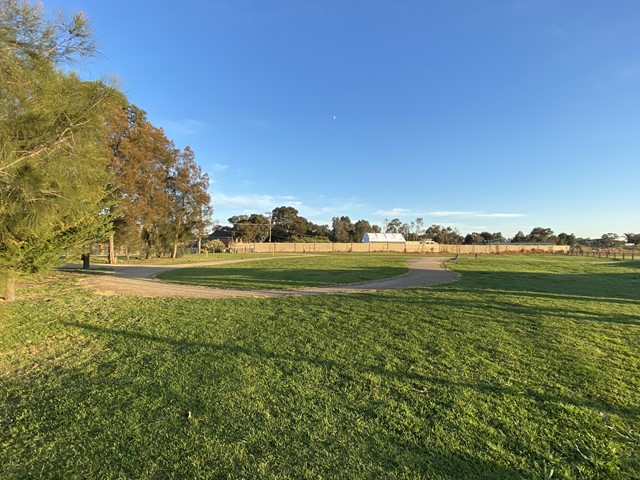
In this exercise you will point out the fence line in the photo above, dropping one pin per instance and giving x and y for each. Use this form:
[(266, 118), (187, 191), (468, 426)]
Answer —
[(391, 247), (615, 253)]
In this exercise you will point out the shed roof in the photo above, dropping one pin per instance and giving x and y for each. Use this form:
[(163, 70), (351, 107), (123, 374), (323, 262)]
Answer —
[(383, 237)]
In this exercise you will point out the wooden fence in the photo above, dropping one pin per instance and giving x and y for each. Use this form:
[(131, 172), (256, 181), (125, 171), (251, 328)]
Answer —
[(390, 247), (615, 253)]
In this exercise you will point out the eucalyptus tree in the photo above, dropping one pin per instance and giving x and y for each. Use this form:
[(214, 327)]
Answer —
[(190, 209), (160, 193), (341, 229), (360, 228)]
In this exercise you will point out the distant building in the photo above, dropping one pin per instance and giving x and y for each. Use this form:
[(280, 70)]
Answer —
[(383, 238), (224, 236)]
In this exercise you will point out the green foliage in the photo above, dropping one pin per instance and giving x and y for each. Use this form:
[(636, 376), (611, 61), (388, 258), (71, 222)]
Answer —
[(214, 246), (342, 230), (288, 226), (440, 234), (160, 192), (526, 368), (632, 238), (250, 228), (53, 176)]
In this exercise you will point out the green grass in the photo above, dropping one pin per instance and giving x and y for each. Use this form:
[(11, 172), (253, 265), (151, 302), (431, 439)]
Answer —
[(529, 367), (291, 273), (184, 259)]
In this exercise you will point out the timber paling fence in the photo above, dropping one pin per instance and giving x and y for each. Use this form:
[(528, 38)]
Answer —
[(615, 253), (391, 247)]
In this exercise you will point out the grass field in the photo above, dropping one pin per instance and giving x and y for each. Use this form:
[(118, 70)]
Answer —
[(281, 273), (184, 259), (528, 367)]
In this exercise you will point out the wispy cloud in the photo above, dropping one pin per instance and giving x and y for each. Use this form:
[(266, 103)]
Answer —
[(474, 214), (500, 215), (449, 213), (253, 203), (186, 126), (396, 212), (406, 212), (219, 167)]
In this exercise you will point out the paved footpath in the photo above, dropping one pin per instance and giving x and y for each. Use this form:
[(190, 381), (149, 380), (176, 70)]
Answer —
[(139, 280)]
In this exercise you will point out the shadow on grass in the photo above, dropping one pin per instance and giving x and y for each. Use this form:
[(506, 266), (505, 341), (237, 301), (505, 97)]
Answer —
[(609, 287), (251, 277), (624, 263), (89, 271), (184, 345), (104, 426), (508, 308)]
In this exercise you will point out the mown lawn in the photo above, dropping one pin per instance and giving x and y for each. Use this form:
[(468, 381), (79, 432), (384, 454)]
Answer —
[(184, 259), (291, 273), (529, 367)]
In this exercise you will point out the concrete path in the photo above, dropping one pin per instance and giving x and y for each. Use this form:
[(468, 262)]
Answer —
[(139, 280)]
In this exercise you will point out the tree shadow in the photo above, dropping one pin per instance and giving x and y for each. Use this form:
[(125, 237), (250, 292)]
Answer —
[(182, 346), (90, 271), (622, 287)]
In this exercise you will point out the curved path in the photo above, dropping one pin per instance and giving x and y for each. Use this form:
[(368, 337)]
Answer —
[(139, 280)]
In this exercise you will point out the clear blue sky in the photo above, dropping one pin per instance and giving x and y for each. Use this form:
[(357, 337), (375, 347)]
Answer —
[(497, 115)]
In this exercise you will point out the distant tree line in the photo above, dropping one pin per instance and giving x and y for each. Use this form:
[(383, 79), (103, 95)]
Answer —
[(78, 162), (284, 224)]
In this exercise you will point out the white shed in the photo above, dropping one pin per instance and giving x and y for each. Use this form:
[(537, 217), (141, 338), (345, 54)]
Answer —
[(383, 238)]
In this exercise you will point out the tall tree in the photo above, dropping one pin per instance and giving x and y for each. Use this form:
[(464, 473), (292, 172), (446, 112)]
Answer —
[(519, 237), (359, 229), (143, 166), (542, 235), (342, 230), (406, 229), (288, 226), (446, 235), (608, 240), (567, 239), (189, 208), (53, 176), (161, 192), (393, 226), (632, 238), (250, 228), (419, 228)]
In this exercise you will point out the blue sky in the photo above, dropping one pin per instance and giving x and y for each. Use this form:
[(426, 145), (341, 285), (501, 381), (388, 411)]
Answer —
[(499, 115)]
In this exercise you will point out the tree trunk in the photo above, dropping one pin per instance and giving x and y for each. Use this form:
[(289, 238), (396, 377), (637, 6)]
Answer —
[(112, 253), (174, 254), (10, 286), (85, 261)]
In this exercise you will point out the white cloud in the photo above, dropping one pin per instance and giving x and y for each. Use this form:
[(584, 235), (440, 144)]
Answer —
[(219, 167), (245, 201), (186, 126), (447, 213), (252, 202), (474, 214), (396, 212), (500, 215), (405, 212)]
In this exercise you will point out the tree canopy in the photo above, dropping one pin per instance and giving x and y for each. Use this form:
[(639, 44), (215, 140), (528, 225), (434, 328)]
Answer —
[(76, 159), (53, 157)]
